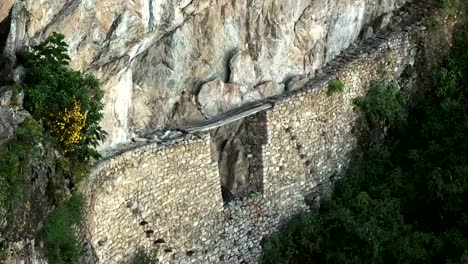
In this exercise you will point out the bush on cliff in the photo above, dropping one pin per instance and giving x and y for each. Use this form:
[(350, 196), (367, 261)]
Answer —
[(67, 103), (61, 243), (17, 160), (404, 198), (51, 152)]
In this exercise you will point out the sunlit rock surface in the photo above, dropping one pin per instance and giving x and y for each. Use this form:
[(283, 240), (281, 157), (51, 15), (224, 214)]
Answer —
[(154, 56)]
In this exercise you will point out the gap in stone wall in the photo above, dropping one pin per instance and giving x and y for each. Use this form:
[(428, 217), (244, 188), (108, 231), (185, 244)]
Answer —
[(255, 138), (229, 150), (237, 149)]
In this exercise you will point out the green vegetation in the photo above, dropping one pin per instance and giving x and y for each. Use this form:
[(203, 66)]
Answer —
[(450, 4), (17, 160), (404, 197), (381, 109), (66, 102), (59, 234), (142, 257), (433, 23), (335, 86), (56, 144)]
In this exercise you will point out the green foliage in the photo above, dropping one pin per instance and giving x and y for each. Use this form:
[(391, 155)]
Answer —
[(142, 257), (57, 143), (68, 106), (15, 93), (450, 4), (51, 88), (16, 161), (283, 248), (403, 199), (433, 23), (383, 104), (59, 232), (381, 108), (335, 86), (450, 76)]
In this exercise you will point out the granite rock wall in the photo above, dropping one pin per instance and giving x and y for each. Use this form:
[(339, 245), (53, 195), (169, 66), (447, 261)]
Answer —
[(152, 57)]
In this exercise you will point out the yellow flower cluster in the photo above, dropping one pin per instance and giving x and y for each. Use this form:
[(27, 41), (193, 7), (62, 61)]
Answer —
[(68, 126)]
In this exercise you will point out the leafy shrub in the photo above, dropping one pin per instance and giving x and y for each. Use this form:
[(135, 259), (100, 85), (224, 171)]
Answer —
[(58, 143), (16, 161), (68, 106), (59, 232), (335, 86), (433, 22), (141, 257), (383, 104), (286, 245), (450, 77), (450, 4), (68, 125), (381, 108), (28, 154), (66, 102)]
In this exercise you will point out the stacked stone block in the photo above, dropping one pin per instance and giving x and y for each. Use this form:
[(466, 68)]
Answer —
[(153, 197), (309, 134), (169, 197)]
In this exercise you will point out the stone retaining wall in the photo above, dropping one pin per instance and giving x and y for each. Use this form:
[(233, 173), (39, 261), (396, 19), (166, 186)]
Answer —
[(168, 198), (153, 195), (307, 136)]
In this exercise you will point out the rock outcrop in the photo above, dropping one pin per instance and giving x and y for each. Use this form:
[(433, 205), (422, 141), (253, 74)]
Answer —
[(11, 113), (152, 57), (5, 7), (27, 215)]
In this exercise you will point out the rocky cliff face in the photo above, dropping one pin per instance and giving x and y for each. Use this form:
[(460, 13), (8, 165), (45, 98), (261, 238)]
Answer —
[(154, 57)]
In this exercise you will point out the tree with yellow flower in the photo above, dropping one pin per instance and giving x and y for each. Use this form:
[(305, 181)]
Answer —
[(66, 102)]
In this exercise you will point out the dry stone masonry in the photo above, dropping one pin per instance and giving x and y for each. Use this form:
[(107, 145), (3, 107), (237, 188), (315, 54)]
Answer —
[(167, 198), (153, 196), (307, 135)]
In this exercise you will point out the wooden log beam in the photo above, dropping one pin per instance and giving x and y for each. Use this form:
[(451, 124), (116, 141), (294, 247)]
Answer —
[(227, 118)]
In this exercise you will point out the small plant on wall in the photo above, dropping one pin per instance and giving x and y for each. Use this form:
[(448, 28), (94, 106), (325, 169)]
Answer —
[(141, 257), (335, 86)]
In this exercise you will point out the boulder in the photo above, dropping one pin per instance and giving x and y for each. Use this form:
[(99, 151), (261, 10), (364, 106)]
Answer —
[(242, 69), (368, 33), (297, 82), (385, 20), (19, 73), (234, 167), (11, 114), (216, 97), (268, 89), (229, 151)]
